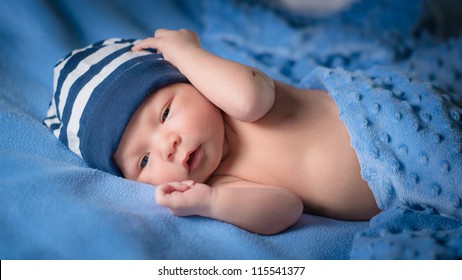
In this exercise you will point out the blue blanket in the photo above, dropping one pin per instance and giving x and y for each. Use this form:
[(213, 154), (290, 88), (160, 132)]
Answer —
[(400, 97), (408, 138), (53, 206)]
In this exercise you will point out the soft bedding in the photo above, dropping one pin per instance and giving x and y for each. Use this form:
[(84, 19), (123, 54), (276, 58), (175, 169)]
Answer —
[(382, 74), (407, 135)]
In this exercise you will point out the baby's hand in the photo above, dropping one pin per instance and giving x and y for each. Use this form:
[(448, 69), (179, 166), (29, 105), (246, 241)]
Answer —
[(184, 199), (170, 43)]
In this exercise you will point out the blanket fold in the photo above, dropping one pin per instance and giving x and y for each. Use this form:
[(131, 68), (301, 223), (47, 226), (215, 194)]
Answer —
[(400, 96), (54, 206), (402, 233), (408, 138)]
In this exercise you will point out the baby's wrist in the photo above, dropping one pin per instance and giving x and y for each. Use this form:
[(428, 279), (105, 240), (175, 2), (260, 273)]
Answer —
[(207, 209), (183, 55)]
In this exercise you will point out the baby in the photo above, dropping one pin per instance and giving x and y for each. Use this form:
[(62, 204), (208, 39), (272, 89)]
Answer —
[(219, 139)]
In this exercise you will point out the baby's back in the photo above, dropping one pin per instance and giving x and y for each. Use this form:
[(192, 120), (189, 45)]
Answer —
[(302, 145)]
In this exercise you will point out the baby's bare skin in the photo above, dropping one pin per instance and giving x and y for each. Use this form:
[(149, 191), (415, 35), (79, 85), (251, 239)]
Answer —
[(238, 147), (301, 145)]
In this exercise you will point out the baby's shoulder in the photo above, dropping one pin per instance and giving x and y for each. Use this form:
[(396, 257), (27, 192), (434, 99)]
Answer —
[(222, 179)]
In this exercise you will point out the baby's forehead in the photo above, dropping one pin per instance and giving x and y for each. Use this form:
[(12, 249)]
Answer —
[(145, 116), (148, 115), (96, 91), (153, 102), (160, 96)]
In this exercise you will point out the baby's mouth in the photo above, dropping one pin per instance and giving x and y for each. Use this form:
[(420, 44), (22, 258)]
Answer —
[(192, 159)]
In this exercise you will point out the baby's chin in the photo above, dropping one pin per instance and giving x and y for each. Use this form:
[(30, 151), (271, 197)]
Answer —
[(202, 175), (200, 180), (196, 179)]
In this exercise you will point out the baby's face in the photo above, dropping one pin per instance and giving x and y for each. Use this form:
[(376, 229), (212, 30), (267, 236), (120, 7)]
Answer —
[(175, 135)]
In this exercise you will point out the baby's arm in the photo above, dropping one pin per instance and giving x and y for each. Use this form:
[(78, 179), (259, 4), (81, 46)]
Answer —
[(253, 207), (240, 91)]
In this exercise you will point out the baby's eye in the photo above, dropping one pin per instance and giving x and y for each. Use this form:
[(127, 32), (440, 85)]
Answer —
[(165, 114), (144, 161)]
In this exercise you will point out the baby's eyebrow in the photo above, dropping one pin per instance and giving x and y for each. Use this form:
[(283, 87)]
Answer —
[(129, 156), (131, 167)]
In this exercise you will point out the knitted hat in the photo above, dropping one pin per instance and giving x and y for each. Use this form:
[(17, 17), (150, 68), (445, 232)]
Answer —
[(96, 91)]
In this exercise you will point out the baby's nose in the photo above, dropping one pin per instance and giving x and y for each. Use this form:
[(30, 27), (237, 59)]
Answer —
[(170, 146)]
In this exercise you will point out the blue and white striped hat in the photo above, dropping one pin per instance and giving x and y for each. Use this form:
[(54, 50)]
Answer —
[(96, 91)]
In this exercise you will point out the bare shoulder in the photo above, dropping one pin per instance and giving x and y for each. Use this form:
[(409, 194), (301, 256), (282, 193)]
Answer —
[(235, 182), (218, 180), (224, 180)]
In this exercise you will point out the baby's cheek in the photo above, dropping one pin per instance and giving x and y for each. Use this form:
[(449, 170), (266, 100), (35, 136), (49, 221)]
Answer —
[(162, 176)]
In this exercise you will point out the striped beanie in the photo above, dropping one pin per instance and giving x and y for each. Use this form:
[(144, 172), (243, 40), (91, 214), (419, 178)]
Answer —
[(96, 91)]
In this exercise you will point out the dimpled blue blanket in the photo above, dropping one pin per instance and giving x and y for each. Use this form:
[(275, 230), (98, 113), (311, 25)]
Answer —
[(398, 89), (408, 138), (400, 96)]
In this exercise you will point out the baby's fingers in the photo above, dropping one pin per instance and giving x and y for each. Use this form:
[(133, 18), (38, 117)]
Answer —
[(170, 194), (188, 183), (161, 31), (171, 187), (148, 43)]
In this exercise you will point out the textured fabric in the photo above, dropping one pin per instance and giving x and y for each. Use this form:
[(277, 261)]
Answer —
[(399, 92), (53, 206), (96, 90), (408, 138), (406, 133)]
